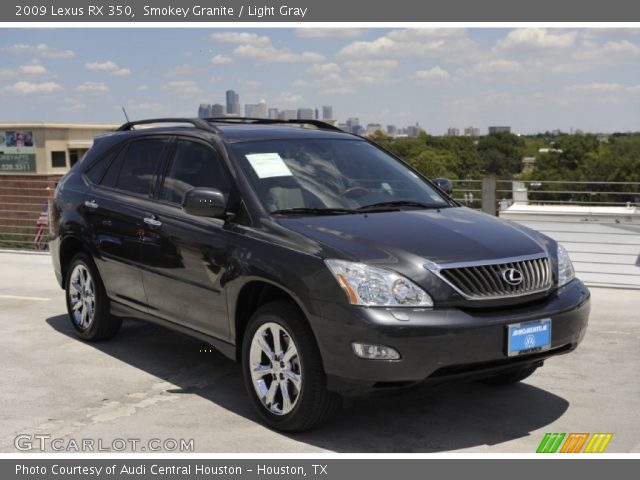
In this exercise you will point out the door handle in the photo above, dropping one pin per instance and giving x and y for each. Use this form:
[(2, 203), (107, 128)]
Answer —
[(152, 222), (91, 204)]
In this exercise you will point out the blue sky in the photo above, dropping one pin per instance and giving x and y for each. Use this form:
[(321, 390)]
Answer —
[(534, 79)]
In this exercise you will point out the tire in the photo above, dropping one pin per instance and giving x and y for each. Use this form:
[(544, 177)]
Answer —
[(510, 376), (309, 402), (87, 301)]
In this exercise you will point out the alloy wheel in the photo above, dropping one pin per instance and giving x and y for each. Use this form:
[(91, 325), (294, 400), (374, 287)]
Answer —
[(275, 366), (82, 297)]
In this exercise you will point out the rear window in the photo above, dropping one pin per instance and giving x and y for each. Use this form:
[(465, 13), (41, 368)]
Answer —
[(96, 171)]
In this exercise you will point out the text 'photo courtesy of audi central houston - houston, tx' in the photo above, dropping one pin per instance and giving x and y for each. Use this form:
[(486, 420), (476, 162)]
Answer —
[(322, 263)]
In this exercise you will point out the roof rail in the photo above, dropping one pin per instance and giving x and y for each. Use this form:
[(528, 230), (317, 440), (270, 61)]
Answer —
[(266, 121), (196, 122)]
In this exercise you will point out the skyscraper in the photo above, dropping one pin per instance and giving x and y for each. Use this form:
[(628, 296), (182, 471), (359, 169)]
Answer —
[(217, 110), (233, 103), (206, 110), (305, 114), (499, 130), (327, 112), (203, 110), (472, 132), (256, 110), (288, 115)]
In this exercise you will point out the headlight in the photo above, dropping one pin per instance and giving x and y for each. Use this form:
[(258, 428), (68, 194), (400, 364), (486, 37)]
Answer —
[(377, 287), (565, 267)]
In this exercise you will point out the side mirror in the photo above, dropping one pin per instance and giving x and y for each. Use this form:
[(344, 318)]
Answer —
[(205, 202), (444, 184)]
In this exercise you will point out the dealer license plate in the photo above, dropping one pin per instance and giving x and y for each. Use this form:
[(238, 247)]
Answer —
[(528, 337)]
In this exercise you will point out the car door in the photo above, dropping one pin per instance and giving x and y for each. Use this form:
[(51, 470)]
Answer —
[(115, 207), (185, 257)]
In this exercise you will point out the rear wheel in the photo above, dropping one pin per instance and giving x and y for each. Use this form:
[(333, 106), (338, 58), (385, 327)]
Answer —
[(87, 302), (511, 376), (283, 371)]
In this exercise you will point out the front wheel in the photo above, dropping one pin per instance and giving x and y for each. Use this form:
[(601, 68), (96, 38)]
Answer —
[(283, 371)]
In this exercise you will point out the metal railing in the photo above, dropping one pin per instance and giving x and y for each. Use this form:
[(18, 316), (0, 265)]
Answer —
[(24, 212), (605, 253)]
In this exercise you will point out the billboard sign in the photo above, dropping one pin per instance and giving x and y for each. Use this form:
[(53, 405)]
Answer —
[(17, 151)]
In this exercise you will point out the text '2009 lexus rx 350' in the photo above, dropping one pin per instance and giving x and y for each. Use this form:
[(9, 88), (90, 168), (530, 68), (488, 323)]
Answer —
[(318, 260)]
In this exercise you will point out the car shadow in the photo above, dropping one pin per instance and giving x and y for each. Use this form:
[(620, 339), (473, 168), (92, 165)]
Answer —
[(439, 418)]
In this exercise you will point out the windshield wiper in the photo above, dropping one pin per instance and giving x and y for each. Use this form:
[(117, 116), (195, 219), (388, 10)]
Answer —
[(395, 205), (313, 211)]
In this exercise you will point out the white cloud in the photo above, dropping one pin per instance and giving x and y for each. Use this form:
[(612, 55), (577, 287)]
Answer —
[(181, 70), (121, 72), (595, 88), (497, 67), (221, 59), (31, 88), (609, 52), (33, 69), (338, 90), (536, 38), (270, 54), (143, 88), (289, 98), (93, 88), (370, 67), (450, 44), (323, 68), (244, 38), (300, 83), (7, 72), (251, 83), (328, 32), (143, 108), (260, 48), (40, 49), (432, 75), (607, 32), (183, 88), (74, 106), (108, 67)]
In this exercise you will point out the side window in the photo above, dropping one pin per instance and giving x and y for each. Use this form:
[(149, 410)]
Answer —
[(193, 165), (139, 165), (95, 172), (111, 177)]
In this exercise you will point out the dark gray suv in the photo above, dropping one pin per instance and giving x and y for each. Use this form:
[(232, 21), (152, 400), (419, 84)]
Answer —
[(321, 262)]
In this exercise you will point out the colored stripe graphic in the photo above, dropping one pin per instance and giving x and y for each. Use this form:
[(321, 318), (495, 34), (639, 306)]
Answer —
[(598, 442), (550, 443), (574, 443)]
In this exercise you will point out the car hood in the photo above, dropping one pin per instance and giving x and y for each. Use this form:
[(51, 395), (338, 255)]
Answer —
[(442, 236)]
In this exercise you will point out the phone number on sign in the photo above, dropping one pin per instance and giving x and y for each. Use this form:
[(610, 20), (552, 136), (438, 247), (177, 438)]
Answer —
[(91, 11)]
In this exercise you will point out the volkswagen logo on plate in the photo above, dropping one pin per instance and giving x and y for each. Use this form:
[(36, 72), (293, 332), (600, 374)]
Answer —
[(512, 276)]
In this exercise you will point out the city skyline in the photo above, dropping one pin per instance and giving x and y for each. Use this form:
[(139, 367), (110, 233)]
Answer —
[(532, 79)]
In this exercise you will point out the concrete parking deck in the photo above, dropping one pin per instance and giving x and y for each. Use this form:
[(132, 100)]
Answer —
[(152, 383)]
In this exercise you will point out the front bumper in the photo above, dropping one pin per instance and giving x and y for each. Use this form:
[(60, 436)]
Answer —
[(439, 343)]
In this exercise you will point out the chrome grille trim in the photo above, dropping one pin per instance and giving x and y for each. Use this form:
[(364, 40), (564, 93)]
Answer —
[(484, 280)]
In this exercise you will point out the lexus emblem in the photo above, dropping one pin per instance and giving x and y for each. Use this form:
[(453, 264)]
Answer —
[(512, 276)]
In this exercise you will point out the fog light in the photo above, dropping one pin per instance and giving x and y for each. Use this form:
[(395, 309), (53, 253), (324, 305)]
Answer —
[(375, 352)]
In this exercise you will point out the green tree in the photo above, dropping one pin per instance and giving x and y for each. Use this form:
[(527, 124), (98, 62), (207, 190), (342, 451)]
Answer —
[(501, 154)]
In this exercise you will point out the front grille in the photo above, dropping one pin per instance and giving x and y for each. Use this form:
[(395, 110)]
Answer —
[(487, 281)]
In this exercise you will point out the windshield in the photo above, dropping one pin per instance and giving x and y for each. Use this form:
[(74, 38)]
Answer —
[(331, 176)]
